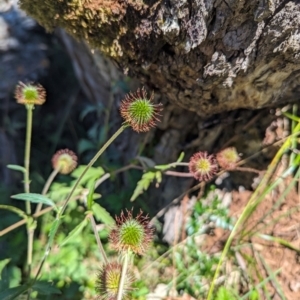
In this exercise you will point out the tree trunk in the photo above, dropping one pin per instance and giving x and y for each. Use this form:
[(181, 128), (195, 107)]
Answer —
[(204, 56)]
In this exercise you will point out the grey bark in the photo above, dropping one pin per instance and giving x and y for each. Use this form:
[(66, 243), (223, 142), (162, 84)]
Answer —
[(206, 56)]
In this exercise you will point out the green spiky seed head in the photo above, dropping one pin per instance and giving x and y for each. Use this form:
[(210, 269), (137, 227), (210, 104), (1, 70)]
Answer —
[(139, 111), (131, 234), (108, 279)]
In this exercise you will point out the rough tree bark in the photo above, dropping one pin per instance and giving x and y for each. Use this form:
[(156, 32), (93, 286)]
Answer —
[(207, 56)]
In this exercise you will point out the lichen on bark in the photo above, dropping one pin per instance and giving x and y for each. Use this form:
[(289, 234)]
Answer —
[(205, 56)]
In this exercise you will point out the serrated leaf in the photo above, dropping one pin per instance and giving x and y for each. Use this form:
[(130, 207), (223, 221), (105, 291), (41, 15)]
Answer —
[(75, 232), (91, 174), (34, 198), (158, 176), (17, 168), (101, 214), (13, 293), (143, 184), (45, 288)]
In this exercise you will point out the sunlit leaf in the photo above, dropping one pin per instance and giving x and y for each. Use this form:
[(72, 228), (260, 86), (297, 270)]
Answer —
[(101, 214), (180, 158), (143, 184), (91, 174)]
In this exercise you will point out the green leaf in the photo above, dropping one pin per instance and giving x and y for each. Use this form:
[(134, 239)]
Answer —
[(45, 288), (92, 174), (158, 176), (4, 277), (143, 184), (3, 263), (254, 295), (224, 294), (53, 231), (163, 167), (90, 197), (75, 232), (181, 157), (17, 168), (85, 145), (35, 198), (13, 293), (101, 214), (146, 162)]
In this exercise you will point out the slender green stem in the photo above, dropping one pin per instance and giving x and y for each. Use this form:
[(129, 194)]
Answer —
[(123, 275), (100, 246), (30, 229), (294, 140), (61, 212), (27, 155), (46, 187), (30, 248), (94, 159), (49, 208)]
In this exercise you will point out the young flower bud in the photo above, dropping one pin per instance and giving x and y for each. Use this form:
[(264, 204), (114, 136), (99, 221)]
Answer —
[(228, 158), (107, 284), (203, 166), (132, 234), (65, 161), (30, 94), (140, 112)]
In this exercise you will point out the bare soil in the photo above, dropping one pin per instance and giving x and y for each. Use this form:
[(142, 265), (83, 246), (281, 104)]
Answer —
[(259, 258)]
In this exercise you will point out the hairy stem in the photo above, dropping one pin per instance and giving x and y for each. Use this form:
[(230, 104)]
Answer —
[(27, 155), (30, 230), (123, 275)]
